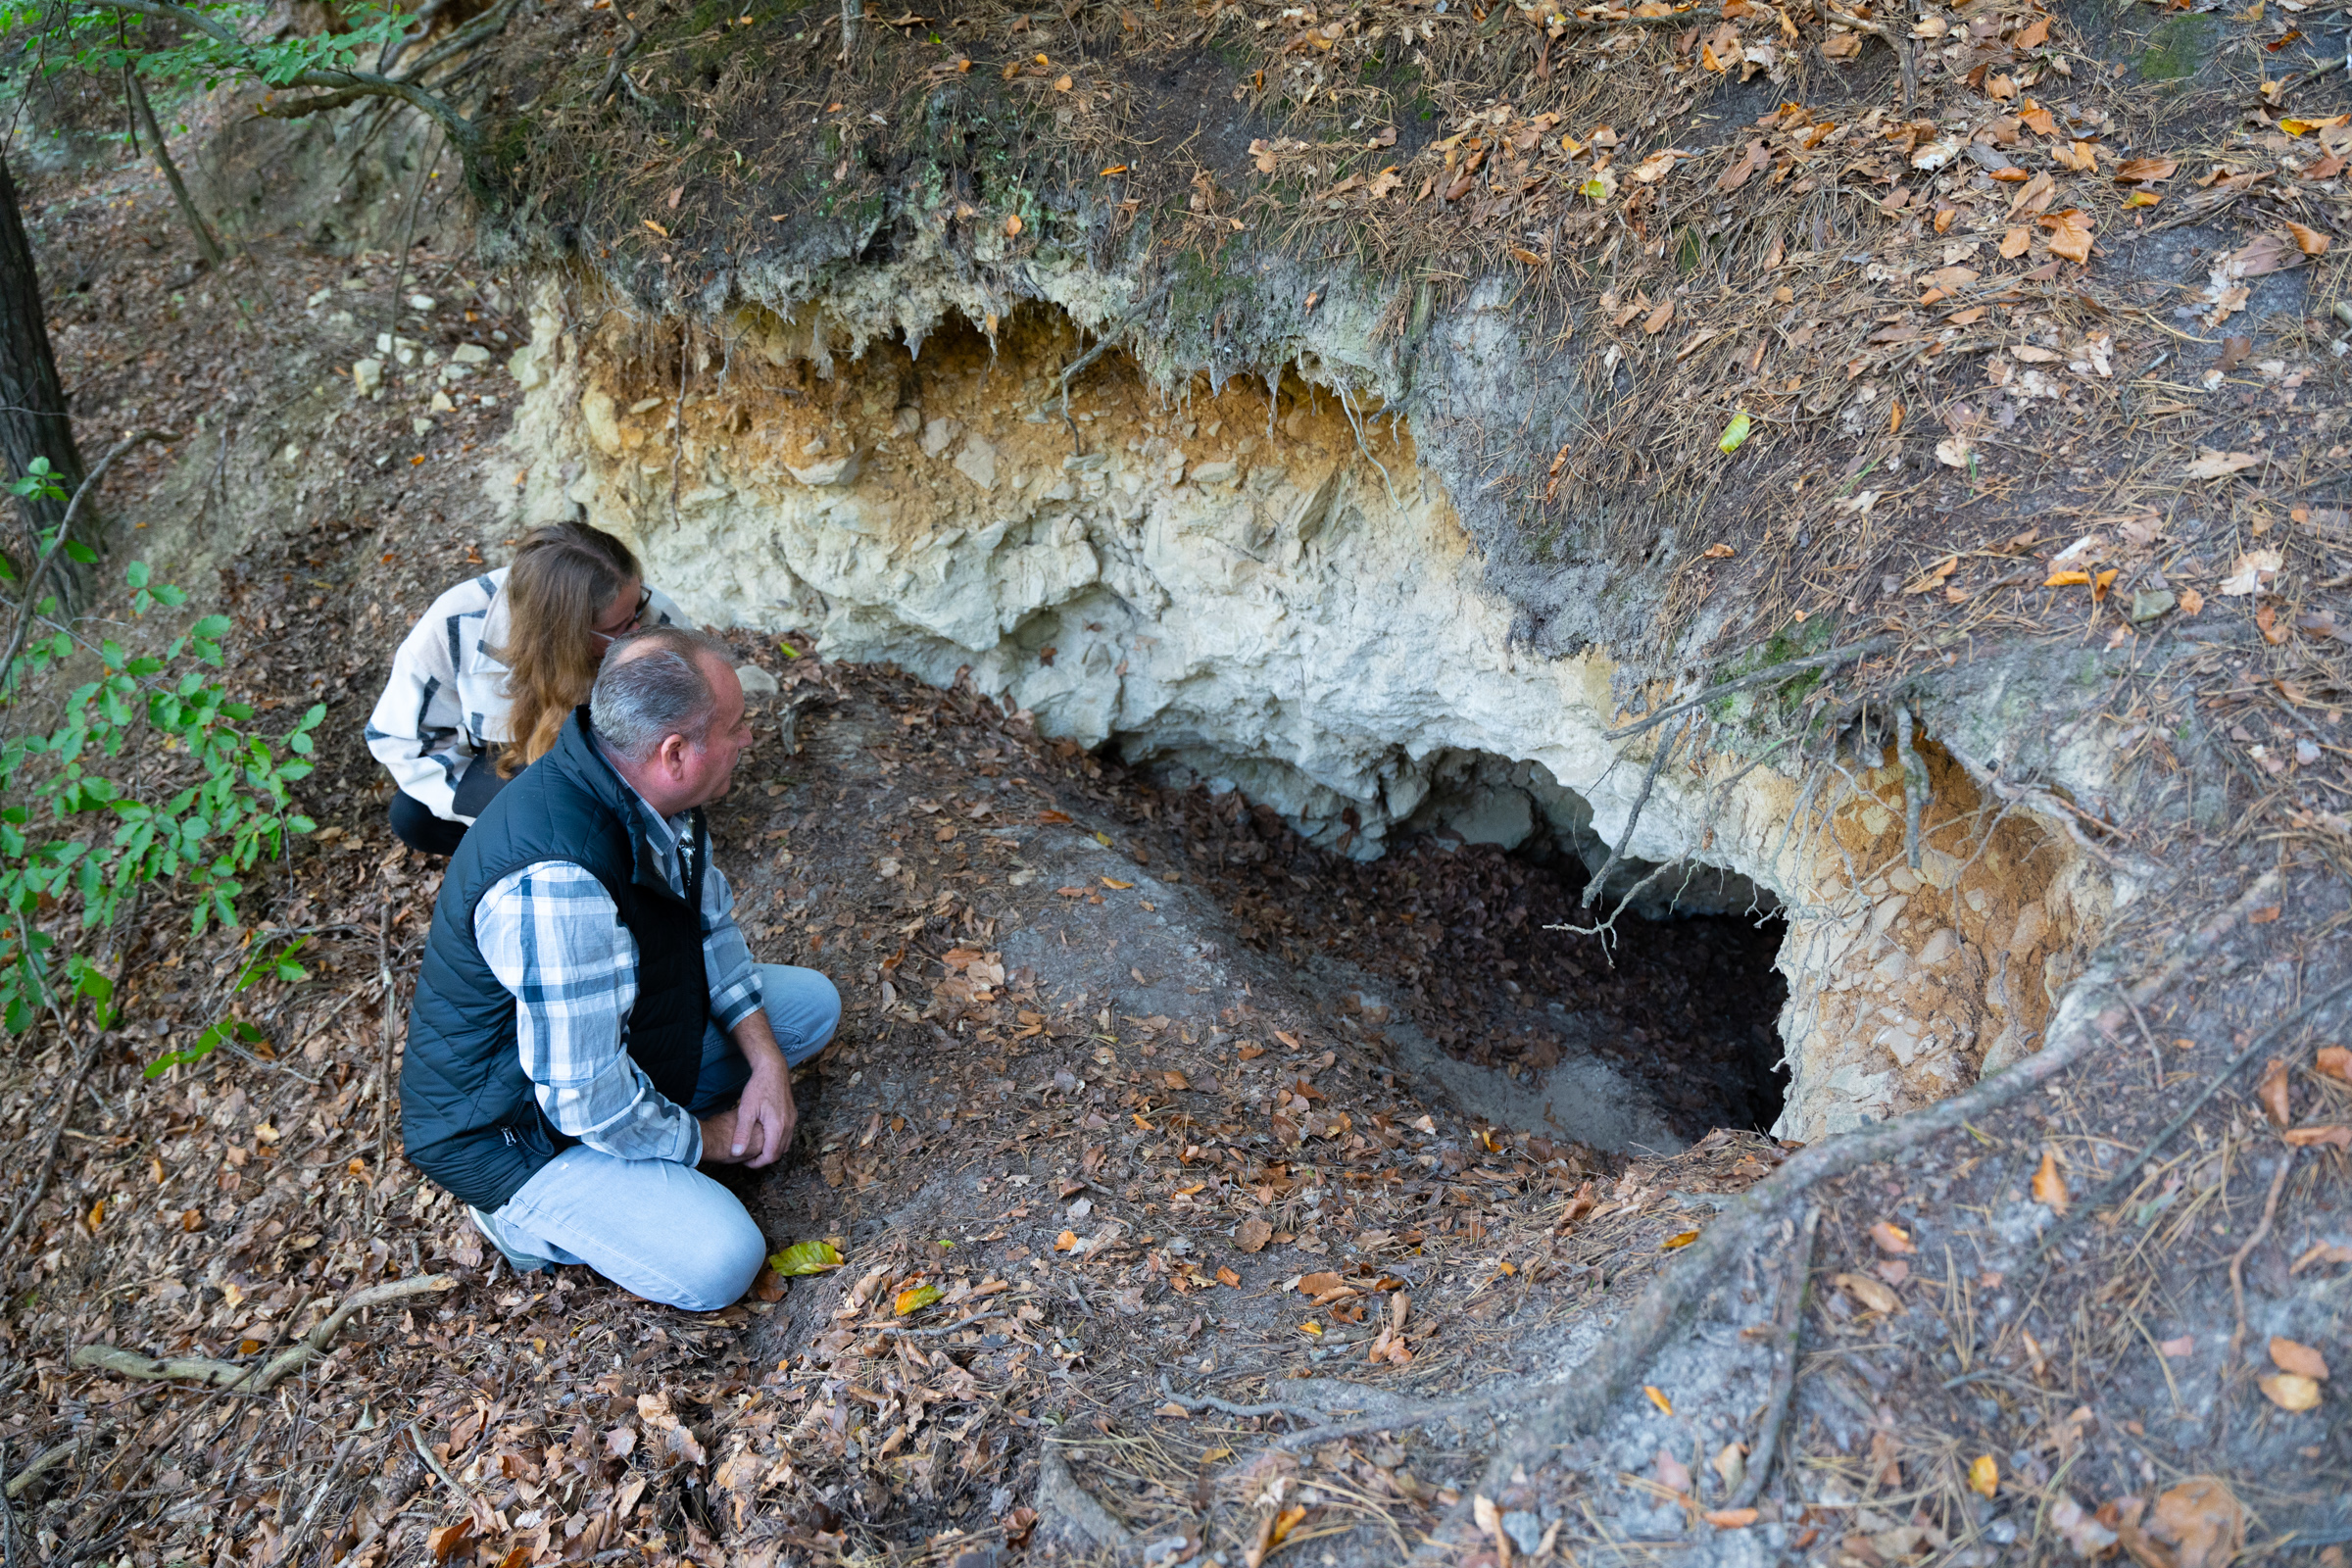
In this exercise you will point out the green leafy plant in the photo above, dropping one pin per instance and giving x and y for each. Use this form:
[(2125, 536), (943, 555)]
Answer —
[(142, 772)]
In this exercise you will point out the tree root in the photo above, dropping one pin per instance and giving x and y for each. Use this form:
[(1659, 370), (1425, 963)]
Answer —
[(1610, 1372), (1915, 784), (2238, 1263), (1383, 1411), (1789, 1332), (1770, 675), (258, 1378)]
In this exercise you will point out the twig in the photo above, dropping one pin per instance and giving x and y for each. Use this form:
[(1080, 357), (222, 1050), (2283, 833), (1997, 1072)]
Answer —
[(473, 1505), (383, 1081), (39, 1465), (1650, 780), (56, 1130), (2237, 1264), (291, 1555), (400, 261), (1209, 1401), (229, 1374), (65, 531), (1915, 784), (1789, 1331), (621, 58), (2127, 1175), (945, 1328), (1770, 675)]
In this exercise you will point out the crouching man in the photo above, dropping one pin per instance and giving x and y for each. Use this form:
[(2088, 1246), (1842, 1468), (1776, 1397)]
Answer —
[(589, 1025)]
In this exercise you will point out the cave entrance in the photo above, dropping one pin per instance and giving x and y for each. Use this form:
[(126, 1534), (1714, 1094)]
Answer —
[(1439, 953)]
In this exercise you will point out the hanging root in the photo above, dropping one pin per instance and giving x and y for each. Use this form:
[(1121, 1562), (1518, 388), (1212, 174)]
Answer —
[(1649, 781), (1915, 785), (259, 1377)]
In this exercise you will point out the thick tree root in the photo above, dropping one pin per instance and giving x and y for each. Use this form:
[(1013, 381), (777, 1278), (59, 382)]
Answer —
[(210, 1374), (1788, 1332)]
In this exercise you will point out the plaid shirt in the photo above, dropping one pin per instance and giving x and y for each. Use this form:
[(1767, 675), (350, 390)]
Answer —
[(553, 936)]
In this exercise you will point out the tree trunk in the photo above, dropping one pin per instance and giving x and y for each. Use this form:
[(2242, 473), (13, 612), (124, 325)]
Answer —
[(32, 404), (206, 246)]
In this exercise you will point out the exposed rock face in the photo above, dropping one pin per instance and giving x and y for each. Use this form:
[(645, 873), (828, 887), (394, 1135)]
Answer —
[(1276, 593)]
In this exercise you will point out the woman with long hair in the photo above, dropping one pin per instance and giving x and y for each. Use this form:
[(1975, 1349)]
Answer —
[(482, 685)]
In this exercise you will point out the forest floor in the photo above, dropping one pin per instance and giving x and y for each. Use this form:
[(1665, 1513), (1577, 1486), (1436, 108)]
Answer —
[(1155, 1097)]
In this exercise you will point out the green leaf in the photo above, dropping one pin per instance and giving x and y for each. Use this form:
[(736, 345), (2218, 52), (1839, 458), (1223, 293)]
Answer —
[(805, 1257), (81, 551), (1735, 434), (211, 627), (136, 575), (915, 1301)]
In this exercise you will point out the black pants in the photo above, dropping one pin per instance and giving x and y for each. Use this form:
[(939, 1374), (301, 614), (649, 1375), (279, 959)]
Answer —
[(415, 824)]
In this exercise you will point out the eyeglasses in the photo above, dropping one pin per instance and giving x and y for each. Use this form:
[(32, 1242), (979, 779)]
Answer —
[(645, 602)]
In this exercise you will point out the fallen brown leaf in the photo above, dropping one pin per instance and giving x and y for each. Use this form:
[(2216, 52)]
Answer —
[(2049, 1188), (2272, 1094), (2203, 1518), (2303, 1360)]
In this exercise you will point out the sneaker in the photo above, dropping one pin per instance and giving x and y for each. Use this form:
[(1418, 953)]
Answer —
[(520, 1262)]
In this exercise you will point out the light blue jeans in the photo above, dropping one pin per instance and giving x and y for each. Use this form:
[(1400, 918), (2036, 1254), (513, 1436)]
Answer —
[(655, 1228)]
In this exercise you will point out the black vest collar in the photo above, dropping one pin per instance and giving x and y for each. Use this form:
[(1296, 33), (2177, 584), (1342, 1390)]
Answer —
[(584, 759)]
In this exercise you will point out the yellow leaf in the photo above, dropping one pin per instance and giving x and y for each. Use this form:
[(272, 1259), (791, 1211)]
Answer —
[(1893, 1238), (1731, 1518), (1066, 1241), (1228, 1276), (805, 1257), (1310, 1327), (1012, 225), (1286, 1522), (1063, 85), (2066, 579), (2049, 1188), (1658, 1398), (656, 229), (1114, 882), (2142, 198), (1674, 1243), (916, 1300), (1115, 169), (1984, 1475), (2289, 1390)]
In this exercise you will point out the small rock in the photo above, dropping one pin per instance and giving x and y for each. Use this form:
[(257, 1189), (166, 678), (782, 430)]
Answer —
[(977, 461), (367, 377), (422, 425), (470, 353), (830, 472), (2149, 602), (1081, 1209), (906, 419), (1525, 1529), (421, 302), (1219, 473), (441, 405), (756, 682), (940, 434)]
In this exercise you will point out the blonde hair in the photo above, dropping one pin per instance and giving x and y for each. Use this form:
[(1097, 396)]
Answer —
[(565, 577)]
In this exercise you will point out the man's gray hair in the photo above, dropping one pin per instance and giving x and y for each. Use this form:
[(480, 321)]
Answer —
[(653, 685)]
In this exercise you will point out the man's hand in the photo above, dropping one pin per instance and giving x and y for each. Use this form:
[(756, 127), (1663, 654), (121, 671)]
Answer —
[(758, 1131), (759, 1127)]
